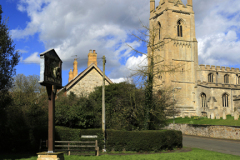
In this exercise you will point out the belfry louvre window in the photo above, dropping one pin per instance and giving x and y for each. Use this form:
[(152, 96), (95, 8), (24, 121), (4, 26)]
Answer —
[(226, 78), (210, 77), (203, 100), (179, 28), (159, 30), (225, 100)]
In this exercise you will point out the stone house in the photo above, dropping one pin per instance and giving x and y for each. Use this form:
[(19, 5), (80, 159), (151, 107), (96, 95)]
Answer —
[(202, 89), (84, 83)]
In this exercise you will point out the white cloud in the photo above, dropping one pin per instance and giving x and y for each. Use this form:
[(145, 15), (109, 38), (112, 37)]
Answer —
[(118, 80), (22, 51), (231, 36), (136, 63), (74, 27), (132, 66), (34, 58)]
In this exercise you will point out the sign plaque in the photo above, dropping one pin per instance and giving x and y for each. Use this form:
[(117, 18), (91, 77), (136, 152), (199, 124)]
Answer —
[(50, 69)]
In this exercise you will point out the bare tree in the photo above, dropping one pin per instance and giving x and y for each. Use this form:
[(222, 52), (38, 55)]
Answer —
[(150, 37)]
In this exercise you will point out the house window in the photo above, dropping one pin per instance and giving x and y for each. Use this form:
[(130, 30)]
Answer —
[(225, 100), (159, 30), (179, 29), (203, 100), (210, 77), (226, 78)]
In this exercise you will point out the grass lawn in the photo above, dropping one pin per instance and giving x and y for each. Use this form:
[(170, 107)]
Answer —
[(195, 154), (202, 120)]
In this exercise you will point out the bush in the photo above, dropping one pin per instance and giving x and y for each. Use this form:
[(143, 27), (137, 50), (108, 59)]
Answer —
[(74, 112), (153, 140)]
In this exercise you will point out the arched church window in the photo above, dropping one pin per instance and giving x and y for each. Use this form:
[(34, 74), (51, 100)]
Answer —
[(203, 100), (226, 78), (210, 77), (225, 100), (160, 77), (179, 28), (159, 30)]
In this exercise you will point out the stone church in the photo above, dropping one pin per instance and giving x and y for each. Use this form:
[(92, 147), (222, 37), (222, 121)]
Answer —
[(199, 90), (84, 83)]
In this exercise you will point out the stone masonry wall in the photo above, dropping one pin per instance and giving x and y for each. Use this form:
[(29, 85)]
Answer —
[(226, 132)]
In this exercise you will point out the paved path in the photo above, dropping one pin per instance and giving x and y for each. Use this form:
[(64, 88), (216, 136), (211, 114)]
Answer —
[(212, 144)]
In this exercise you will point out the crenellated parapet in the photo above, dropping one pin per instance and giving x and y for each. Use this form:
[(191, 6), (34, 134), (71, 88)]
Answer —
[(172, 5), (218, 68)]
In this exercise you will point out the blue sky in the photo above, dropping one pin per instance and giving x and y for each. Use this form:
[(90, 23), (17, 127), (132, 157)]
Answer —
[(74, 27)]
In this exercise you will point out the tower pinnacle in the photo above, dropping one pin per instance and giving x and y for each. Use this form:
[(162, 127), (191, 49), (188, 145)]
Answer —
[(152, 6), (189, 2)]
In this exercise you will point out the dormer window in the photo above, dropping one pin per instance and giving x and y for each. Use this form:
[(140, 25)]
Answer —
[(179, 29)]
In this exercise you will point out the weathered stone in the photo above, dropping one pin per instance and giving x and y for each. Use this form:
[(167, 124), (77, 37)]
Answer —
[(212, 115), (183, 115), (189, 115), (207, 131), (209, 115), (217, 116), (236, 115), (224, 115)]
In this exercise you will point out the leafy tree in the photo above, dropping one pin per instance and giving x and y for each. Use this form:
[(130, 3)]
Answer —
[(8, 60), (31, 98), (123, 104), (73, 111), (27, 90), (26, 114)]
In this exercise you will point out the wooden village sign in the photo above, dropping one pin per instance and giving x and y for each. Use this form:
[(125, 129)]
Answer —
[(51, 77)]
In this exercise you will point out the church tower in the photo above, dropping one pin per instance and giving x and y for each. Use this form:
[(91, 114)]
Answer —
[(172, 26)]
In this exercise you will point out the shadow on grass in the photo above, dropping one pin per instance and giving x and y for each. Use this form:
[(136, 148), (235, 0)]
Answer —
[(15, 156)]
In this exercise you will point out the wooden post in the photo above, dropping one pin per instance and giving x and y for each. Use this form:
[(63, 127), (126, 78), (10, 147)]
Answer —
[(103, 105), (68, 150), (51, 119), (96, 148)]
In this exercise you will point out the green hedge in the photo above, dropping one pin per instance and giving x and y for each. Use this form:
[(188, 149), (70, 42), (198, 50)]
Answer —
[(153, 140)]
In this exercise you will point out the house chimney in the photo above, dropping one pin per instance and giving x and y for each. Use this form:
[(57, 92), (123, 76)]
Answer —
[(75, 70), (70, 75), (92, 57)]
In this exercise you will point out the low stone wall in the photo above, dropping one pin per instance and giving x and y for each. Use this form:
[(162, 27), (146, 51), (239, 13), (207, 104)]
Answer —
[(227, 132)]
